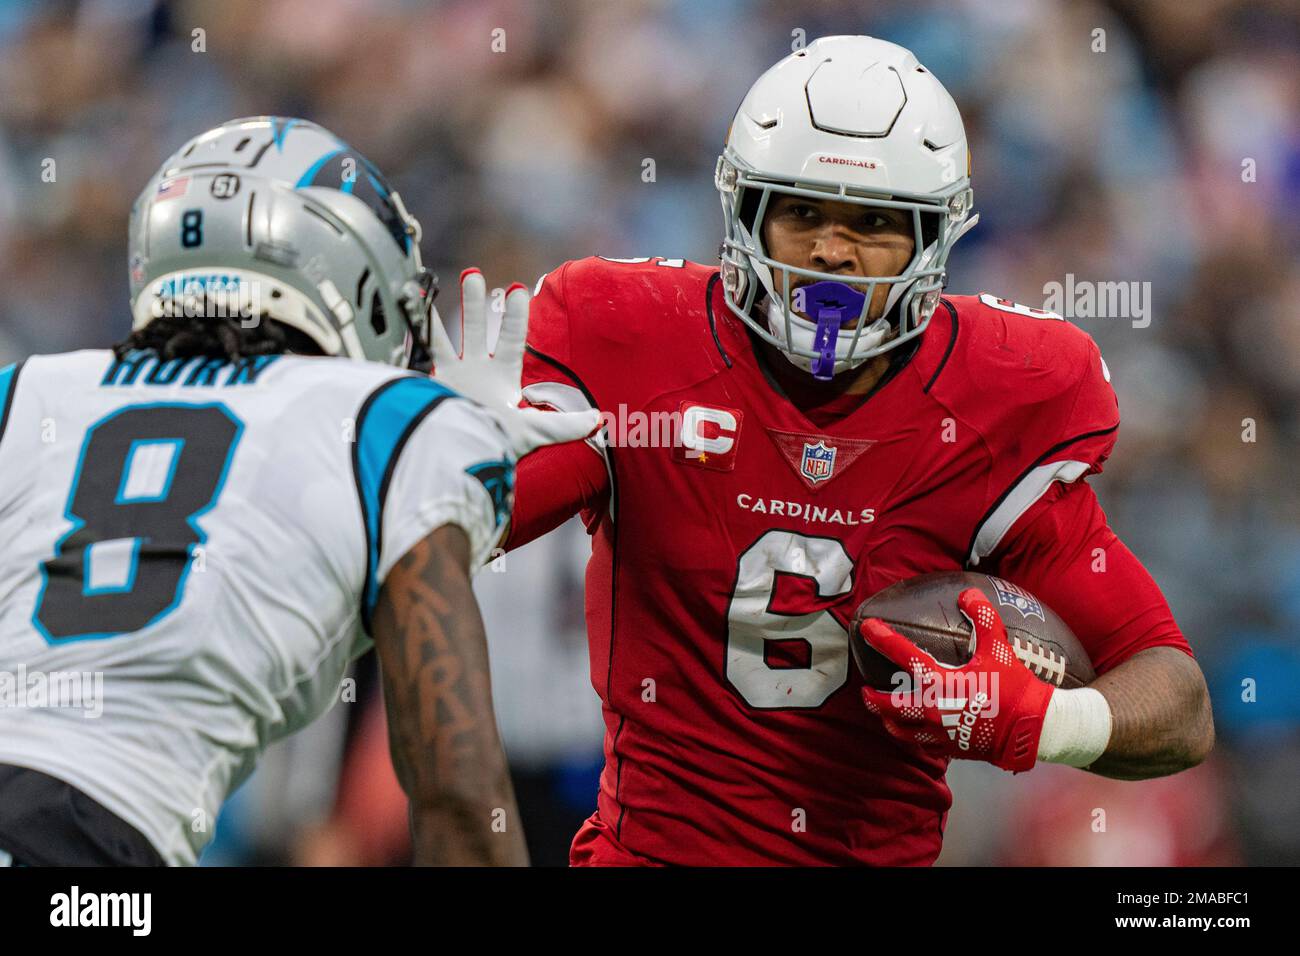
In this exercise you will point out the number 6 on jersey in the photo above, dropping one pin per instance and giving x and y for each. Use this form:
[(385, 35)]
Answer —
[(756, 621)]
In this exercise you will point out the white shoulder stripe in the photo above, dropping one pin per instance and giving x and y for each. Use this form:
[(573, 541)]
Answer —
[(569, 398), (1032, 487), (563, 398)]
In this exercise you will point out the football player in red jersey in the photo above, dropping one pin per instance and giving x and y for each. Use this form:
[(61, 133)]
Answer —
[(841, 425)]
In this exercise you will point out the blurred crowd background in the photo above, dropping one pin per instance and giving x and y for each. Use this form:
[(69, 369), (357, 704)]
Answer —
[(1170, 157)]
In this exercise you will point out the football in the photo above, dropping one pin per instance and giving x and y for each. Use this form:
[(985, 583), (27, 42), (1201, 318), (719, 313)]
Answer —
[(924, 610)]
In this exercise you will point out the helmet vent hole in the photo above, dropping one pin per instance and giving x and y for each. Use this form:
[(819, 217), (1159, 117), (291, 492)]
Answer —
[(361, 284), (242, 143), (378, 321)]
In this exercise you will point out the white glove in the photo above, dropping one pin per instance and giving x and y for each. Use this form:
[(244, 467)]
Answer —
[(493, 378)]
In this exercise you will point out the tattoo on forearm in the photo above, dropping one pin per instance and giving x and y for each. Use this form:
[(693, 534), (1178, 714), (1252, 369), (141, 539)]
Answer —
[(443, 735)]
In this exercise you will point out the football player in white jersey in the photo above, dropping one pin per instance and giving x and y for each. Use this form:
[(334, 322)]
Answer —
[(205, 525)]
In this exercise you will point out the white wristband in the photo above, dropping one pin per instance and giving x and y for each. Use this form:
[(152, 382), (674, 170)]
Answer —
[(1076, 728)]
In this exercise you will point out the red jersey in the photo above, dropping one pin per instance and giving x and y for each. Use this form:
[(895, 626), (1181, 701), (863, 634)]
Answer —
[(726, 566)]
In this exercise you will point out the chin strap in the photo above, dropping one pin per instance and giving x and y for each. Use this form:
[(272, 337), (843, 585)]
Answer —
[(830, 305)]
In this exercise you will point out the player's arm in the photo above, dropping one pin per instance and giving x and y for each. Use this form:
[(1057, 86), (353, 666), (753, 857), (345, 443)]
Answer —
[(551, 486), (1159, 707), (557, 481), (435, 476), (1149, 713), (442, 731), (1160, 713)]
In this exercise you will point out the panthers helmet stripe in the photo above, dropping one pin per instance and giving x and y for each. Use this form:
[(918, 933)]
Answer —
[(308, 178)]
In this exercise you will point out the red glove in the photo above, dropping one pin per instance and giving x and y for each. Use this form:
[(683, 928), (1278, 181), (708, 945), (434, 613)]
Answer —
[(990, 708)]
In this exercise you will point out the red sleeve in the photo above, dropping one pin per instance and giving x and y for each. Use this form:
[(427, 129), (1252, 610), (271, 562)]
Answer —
[(551, 485), (1048, 413), (1062, 551)]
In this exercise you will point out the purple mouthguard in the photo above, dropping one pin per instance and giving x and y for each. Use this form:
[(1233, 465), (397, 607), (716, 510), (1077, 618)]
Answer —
[(831, 305)]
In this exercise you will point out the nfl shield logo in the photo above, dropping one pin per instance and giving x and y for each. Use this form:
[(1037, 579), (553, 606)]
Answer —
[(1010, 595), (818, 461)]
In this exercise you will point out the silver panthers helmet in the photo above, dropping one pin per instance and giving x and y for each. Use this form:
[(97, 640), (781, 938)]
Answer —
[(277, 218)]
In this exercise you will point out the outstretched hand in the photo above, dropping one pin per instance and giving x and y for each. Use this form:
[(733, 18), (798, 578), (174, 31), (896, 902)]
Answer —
[(493, 378)]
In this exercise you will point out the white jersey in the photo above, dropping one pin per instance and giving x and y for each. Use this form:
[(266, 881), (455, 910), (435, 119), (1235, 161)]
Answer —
[(192, 551)]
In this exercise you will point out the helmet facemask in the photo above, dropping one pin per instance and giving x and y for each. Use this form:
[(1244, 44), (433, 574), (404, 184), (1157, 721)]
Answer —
[(750, 274), (856, 120)]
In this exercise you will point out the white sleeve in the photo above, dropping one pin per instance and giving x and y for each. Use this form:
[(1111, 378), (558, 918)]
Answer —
[(454, 469), (424, 457)]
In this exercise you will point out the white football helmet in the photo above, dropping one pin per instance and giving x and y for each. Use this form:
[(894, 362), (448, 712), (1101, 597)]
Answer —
[(858, 120)]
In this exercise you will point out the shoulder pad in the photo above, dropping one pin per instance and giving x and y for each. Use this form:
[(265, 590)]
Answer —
[(624, 329)]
